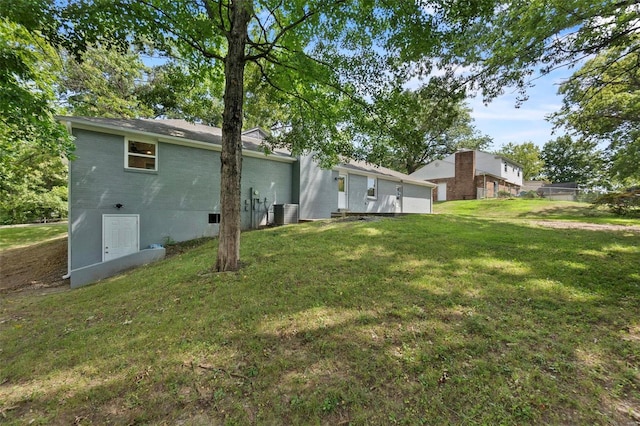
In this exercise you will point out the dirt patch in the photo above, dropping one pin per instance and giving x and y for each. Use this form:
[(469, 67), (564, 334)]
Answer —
[(34, 267), (40, 267), (587, 226)]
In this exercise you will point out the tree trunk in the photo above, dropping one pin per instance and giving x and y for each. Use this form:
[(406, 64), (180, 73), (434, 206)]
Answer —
[(231, 155)]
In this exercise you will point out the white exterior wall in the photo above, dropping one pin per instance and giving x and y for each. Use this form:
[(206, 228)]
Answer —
[(414, 200), (494, 164), (436, 169)]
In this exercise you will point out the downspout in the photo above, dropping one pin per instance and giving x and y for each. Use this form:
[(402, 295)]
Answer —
[(68, 274)]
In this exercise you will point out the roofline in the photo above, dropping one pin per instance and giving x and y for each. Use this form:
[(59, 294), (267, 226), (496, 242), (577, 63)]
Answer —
[(79, 123), (386, 177), (483, 173)]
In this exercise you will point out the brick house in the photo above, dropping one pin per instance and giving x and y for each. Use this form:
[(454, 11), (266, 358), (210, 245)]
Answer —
[(472, 174)]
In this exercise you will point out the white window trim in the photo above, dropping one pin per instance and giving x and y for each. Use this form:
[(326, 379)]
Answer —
[(127, 153), (375, 185)]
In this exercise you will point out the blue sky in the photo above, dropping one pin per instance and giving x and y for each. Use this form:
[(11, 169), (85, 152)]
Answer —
[(503, 122)]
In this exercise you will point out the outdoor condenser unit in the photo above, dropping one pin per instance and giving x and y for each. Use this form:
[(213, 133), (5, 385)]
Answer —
[(284, 214)]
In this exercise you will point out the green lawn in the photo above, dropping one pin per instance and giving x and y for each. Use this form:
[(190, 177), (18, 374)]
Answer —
[(25, 235), (536, 209), (439, 319)]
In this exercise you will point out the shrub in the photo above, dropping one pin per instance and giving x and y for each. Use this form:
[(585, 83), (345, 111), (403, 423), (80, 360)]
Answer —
[(529, 194), (504, 194), (621, 203)]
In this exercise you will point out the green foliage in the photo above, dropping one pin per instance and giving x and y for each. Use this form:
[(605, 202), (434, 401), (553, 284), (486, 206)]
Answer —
[(174, 90), (28, 71), (411, 128), (625, 203), (602, 103), (34, 188), (32, 176), (103, 82), (527, 154), (566, 160), (512, 40)]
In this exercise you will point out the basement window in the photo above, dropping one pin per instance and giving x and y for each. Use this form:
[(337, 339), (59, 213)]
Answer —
[(214, 217), (141, 155)]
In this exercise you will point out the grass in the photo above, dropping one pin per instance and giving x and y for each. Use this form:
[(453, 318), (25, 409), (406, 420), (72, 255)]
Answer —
[(536, 209), (436, 319), (11, 237)]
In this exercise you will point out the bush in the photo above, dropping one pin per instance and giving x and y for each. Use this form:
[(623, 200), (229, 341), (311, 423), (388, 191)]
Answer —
[(504, 194), (621, 203), (31, 206), (529, 194)]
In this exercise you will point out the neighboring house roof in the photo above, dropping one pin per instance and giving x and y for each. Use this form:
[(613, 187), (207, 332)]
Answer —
[(172, 130), (360, 167)]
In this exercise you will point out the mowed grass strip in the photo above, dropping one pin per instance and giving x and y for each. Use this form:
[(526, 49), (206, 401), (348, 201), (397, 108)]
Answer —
[(418, 320), (533, 209), (19, 236)]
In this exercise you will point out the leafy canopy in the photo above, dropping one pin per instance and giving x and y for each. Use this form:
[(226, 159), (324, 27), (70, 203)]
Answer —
[(602, 104), (528, 155), (412, 128), (566, 160)]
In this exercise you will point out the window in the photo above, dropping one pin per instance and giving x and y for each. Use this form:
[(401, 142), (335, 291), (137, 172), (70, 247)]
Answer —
[(214, 217), (505, 167), (141, 155), (372, 184)]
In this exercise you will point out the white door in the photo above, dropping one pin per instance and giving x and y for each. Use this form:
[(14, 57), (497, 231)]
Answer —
[(442, 191), (398, 198), (342, 192), (120, 235)]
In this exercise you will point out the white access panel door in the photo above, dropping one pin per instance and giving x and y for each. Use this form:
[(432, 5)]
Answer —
[(120, 235), (442, 191), (342, 192)]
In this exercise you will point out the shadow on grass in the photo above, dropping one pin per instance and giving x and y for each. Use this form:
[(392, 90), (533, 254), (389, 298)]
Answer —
[(419, 319)]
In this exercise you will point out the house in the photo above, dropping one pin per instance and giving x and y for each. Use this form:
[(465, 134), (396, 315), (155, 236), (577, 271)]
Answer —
[(135, 185), (472, 174)]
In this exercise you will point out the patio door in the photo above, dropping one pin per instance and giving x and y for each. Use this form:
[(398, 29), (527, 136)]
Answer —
[(342, 192), (120, 235)]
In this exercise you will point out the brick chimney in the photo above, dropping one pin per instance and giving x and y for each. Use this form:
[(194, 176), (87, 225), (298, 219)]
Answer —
[(464, 182)]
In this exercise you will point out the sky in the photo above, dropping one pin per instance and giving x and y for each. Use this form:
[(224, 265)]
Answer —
[(505, 123)]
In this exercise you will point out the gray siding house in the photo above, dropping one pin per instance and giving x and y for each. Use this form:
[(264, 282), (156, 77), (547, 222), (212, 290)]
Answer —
[(135, 185)]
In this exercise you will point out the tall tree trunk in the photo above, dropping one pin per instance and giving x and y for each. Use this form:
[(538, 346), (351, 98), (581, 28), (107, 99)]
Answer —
[(231, 156)]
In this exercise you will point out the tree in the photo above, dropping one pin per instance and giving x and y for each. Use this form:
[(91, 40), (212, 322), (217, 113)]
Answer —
[(35, 189), (578, 161), (103, 82), (528, 155), (512, 40), (412, 128), (31, 141), (324, 58), (28, 71), (602, 103)]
